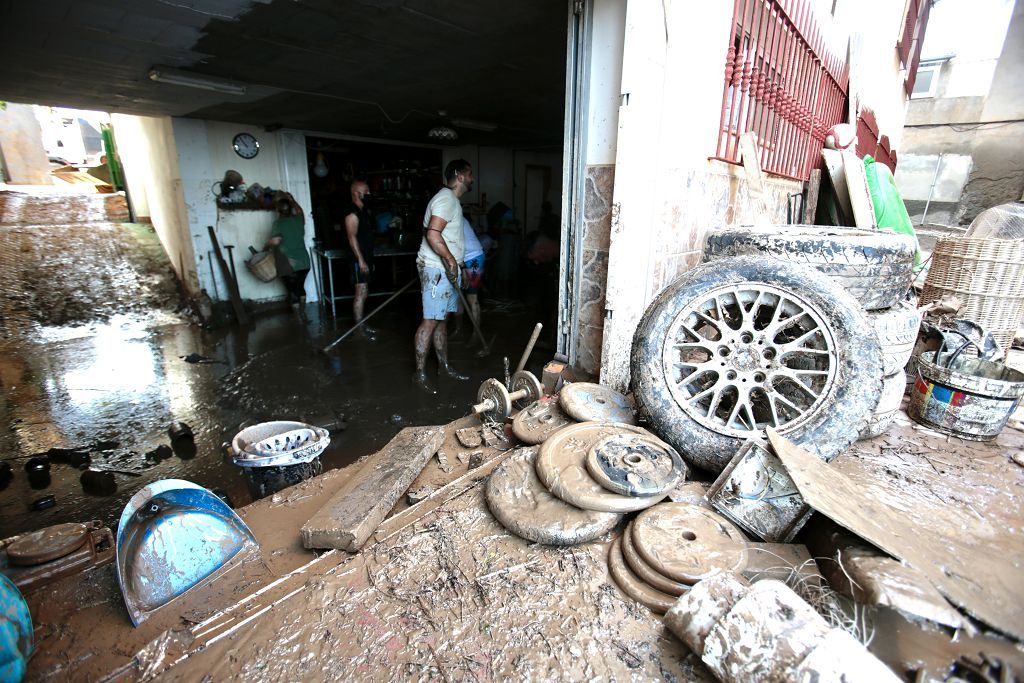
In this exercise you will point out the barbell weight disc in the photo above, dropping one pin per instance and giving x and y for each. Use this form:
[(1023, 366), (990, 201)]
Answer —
[(494, 391), (525, 380)]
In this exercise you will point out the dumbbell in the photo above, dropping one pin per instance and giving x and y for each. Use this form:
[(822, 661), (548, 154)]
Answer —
[(495, 401)]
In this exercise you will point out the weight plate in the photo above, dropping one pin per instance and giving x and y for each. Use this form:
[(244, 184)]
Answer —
[(539, 420), (688, 543), (562, 468), (646, 572), (520, 502), (631, 585), (634, 465), (526, 381), (47, 544), (494, 391), (585, 401)]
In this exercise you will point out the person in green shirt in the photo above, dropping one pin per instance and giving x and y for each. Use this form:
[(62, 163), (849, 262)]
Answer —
[(288, 236)]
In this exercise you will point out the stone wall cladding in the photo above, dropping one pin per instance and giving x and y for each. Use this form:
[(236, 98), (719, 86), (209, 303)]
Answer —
[(597, 222)]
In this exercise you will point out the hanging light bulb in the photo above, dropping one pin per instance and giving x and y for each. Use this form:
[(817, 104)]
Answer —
[(320, 169)]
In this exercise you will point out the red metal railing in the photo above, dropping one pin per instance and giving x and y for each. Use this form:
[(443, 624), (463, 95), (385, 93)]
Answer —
[(781, 82)]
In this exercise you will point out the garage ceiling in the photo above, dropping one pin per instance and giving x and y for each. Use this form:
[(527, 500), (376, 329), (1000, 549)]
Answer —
[(377, 68)]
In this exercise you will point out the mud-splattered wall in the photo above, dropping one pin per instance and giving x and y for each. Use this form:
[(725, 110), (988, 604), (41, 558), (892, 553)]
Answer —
[(146, 146), (21, 148)]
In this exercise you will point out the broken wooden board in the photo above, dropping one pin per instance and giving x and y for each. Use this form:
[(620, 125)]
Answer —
[(880, 580), (837, 177), (973, 563), (356, 510), (751, 155), (860, 195), (811, 203)]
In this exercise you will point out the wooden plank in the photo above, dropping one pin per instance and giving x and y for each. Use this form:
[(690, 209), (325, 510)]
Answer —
[(860, 195), (356, 510), (811, 203), (446, 493), (973, 563), (755, 177), (837, 179), (236, 298)]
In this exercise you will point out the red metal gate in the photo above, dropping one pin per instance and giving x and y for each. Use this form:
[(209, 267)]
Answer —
[(781, 82)]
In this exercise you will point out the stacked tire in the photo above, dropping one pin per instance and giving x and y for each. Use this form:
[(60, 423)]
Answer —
[(876, 267), (802, 329)]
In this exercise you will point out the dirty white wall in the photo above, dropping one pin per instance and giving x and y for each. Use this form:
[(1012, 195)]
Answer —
[(205, 152), (146, 146), (21, 146), (975, 121), (666, 190)]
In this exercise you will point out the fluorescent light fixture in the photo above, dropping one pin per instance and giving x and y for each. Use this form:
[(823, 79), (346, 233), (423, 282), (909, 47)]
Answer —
[(485, 126), (163, 74)]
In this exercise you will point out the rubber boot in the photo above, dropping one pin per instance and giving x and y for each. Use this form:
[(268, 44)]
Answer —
[(419, 379), (444, 368)]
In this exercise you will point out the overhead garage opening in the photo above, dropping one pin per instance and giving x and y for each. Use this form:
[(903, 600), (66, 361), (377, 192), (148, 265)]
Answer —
[(384, 90)]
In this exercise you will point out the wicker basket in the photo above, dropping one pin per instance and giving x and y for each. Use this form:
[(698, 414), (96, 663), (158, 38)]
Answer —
[(262, 266), (987, 276)]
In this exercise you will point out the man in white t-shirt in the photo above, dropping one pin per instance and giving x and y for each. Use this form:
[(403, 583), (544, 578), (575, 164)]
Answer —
[(440, 261)]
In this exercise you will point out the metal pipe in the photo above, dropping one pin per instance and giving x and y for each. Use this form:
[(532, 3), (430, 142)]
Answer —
[(931, 190)]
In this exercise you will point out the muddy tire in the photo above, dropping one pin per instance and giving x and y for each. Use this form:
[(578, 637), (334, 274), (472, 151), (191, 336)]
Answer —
[(897, 329), (741, 344), (893, 388), (875, 267)]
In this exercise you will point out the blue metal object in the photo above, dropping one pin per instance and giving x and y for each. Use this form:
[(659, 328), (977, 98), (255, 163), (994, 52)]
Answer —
[(15, 632), (173, 536)]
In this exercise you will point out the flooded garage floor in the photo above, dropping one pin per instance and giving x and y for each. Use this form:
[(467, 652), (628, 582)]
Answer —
[(109, 373)]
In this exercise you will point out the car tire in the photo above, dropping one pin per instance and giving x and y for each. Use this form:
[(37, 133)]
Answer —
[(893, 388), (897, 329), (756, 358), (876, 267)]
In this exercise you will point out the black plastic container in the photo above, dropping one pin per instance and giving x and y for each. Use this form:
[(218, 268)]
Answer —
[(266, 481)]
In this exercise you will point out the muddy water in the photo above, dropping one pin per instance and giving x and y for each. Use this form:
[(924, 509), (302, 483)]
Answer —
[(125, 380)]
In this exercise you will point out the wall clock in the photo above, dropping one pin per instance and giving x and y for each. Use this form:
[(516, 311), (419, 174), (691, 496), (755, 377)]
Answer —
[(246, 145)]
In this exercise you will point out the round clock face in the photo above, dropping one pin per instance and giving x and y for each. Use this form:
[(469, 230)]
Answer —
[(246, 145)]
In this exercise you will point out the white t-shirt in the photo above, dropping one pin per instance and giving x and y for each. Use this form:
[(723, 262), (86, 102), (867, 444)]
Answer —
[(444, 205), (472, 244)]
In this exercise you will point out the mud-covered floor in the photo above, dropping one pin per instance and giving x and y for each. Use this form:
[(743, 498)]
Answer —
[(92, 356)]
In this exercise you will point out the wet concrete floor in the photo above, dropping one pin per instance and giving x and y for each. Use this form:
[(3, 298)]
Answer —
[(125, 381), (115, 383)]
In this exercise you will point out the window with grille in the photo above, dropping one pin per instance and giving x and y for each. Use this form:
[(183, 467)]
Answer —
[(782, 83)]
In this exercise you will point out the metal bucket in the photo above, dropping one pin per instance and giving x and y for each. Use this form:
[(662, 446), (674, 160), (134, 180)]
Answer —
[(276, 455), (966, 397)]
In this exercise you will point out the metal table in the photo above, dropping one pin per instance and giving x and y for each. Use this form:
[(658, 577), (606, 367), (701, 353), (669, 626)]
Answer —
[(318, 256)]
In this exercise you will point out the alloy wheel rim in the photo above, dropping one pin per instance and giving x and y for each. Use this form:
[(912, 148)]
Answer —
[(744, 357)]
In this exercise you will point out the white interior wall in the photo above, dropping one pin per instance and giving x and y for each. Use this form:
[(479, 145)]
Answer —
[(500, 173), (205, 152)]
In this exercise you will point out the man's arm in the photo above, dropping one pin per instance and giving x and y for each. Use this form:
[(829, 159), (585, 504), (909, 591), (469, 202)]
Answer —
[(436, 242), (352, 229)]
